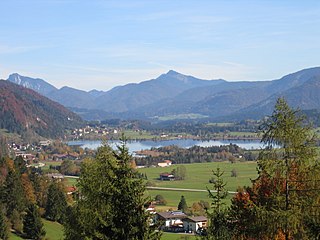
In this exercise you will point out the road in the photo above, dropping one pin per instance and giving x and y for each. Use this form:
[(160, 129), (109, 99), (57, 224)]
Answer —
[(172, 189), (184, 189)]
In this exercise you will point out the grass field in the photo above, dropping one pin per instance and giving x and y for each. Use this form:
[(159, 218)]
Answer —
[(70, 181), (198, 175), (54, 231), (138, 135), (176, 236)]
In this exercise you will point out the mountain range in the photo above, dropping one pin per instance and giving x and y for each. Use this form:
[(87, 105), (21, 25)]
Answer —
[(25, 111), (176, 94)]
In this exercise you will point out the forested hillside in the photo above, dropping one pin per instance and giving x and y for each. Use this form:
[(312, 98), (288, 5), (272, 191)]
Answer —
[(23, 110)]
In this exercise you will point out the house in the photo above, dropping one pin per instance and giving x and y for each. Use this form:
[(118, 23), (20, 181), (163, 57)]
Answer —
[(55, 176), (172, 221), (70, 190), (193, 224), (45, 143), (165, 163), (166, 177)]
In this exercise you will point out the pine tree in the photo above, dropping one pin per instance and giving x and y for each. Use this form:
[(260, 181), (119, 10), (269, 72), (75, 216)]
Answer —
[(183, 204), (32, 225), (56, 203), (111, 202)]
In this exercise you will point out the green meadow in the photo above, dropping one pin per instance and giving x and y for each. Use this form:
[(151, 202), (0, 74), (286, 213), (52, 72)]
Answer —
[(54, 231), (197, 177), (177, 236)]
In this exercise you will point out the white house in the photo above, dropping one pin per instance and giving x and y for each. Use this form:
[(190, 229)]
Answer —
[(165, 163), (172, 221), (192, 224)]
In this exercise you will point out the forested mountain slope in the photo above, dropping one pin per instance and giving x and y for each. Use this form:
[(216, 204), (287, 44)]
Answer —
[(23, 109)]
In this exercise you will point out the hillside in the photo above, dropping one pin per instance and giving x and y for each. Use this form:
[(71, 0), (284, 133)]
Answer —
[(174, 93), (23, 110)]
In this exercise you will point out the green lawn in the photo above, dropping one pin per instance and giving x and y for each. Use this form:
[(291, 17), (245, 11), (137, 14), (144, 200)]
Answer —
[(177, 236), (198, 175), (54, 231), (70, 181)]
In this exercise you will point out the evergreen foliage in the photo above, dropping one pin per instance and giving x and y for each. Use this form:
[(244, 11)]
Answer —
[(218, 228), (111, 202), (3, 225), (32, 225), (14, 197), (57, 203), (285, 194), (183, 204)]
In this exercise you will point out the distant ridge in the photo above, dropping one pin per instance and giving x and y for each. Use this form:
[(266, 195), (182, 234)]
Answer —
[(24, 110), (175, 93)]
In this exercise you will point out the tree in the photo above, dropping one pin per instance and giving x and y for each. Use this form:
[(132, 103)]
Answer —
[(285, 194), (111, 202), (56, 203), (13, 197), (160, 200), (180, 173), (218, 223), (3, 226), (32, 225), (234, 173), (183, 204), (68, 167)]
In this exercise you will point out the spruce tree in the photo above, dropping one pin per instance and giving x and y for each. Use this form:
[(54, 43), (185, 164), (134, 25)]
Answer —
[(111, 200), (218, 228), (32, 225), (183, 204), (56, 203)]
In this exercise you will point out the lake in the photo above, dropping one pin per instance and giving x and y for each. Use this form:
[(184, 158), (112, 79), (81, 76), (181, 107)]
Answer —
[(184, 143)]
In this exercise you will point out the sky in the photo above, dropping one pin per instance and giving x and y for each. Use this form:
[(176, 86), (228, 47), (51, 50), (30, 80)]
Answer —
[(102, 44)]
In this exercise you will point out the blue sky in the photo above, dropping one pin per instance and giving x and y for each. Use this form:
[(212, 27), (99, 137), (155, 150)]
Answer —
[(101, 44)]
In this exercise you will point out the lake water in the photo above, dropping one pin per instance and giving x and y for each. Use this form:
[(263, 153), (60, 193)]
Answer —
[(184, 143)]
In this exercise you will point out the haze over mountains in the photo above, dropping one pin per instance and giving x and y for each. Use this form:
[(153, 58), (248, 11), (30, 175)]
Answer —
[(174, 93)]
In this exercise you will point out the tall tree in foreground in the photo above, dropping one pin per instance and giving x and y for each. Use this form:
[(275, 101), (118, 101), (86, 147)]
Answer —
[(285, 194), (218, 223), (111, 202)]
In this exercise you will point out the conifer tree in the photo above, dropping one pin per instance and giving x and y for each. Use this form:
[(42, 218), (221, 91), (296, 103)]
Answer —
[(32, 225), (183, 204), (3, 226), (111, 200), (285, 194), (56, 203), (218, 228)]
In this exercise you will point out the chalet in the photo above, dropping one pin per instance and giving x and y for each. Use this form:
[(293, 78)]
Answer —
[(195, 224), (172, 221), (166, 177), (165, 163)]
